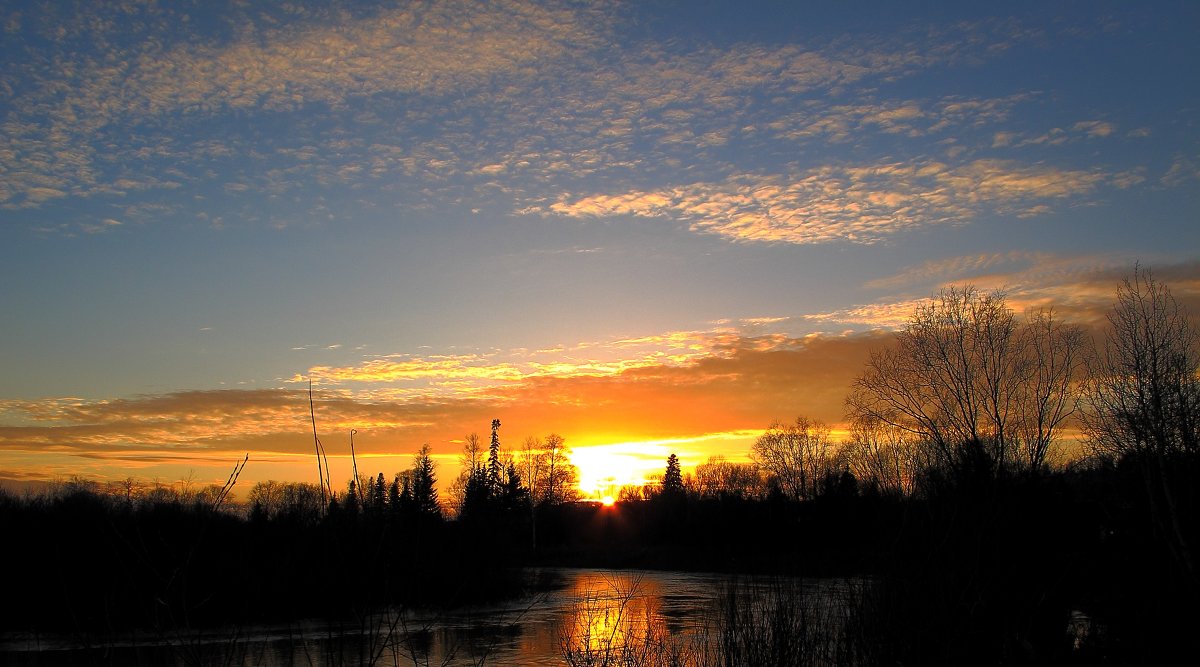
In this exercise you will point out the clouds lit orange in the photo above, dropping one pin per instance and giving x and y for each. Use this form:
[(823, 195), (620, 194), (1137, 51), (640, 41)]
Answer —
[(641, 231)]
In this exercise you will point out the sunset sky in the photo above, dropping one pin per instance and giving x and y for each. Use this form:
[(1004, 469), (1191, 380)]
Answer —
[(650, 227)]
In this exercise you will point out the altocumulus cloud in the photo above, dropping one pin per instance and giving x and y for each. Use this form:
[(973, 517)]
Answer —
[(861, 204)]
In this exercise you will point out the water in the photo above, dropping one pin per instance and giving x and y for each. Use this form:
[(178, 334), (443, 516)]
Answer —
[(583, 617)]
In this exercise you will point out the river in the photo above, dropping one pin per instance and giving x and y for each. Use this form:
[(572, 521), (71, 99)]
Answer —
[(581, 616)]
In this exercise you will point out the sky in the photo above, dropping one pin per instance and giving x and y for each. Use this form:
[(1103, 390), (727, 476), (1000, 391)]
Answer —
[(649, 227)]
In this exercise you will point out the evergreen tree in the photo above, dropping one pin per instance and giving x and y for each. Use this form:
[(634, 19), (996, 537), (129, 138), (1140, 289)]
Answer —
[(672, 483), (513, 494), (493, 464), (350, 502), (394, 504), (476, 496), (407, 506), (424, 484), (378, 495)]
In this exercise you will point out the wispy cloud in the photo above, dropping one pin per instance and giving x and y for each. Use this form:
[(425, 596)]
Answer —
[(742, 385), (516, 102), (914, 118), (682, 386), (1081, 288), (107, 89), (862, 204)]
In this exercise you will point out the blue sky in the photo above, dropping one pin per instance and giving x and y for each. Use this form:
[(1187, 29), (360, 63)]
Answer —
[(445, 212)]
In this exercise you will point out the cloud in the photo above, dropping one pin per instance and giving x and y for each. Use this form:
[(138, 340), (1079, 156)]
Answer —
[(1057, 136), (1182, 170), (1095, 128), (914, 118), (426, 104), (110, 89), (677, 386), (405, 375), (937, 271), (742, 385), (861, 204), (1081, 288)]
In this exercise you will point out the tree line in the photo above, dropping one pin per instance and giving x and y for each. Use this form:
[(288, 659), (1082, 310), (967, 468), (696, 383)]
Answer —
[(980, 537)]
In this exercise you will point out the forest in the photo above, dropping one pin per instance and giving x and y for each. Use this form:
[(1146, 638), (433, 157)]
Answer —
[(1003, 475)]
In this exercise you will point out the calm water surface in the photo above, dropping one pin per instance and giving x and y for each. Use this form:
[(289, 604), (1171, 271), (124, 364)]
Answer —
[(585, 612)]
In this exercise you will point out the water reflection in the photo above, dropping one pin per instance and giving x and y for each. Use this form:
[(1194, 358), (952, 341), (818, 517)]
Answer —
[(612, 612), (588, 617)]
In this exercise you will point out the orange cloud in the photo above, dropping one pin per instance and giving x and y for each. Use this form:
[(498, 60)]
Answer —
[(862, 204), (740, 385), (700, 392)]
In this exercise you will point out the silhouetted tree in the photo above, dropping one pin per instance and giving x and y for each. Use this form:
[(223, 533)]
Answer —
[(350, 501), (295, 501), (378, 496), (1143, 406), (1143, 391), (965, 374), (672, 482), (798, 455), (562, 477), (470, 461), (395, 494), (884, 455), (477, 496), (532, 465), (424, 484), (513, 495), (718, 477), (494, 465)]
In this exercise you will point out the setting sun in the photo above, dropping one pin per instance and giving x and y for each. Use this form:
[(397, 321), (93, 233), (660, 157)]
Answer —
[(412, 294), (604, 469)]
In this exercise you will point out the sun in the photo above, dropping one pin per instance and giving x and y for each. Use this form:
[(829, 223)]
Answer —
[(608, 501), (605, 469)]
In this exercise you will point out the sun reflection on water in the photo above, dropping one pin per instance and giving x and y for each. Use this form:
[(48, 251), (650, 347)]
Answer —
[(613, 615)]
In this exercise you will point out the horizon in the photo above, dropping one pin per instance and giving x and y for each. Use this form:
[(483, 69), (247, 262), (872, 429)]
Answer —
[(645, 229)]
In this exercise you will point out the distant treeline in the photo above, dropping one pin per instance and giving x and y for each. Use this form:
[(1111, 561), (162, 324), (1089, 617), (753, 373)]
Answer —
[(977, 543)]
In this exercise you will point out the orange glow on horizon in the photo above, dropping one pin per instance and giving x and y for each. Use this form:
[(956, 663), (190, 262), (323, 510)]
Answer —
[(605, 468)]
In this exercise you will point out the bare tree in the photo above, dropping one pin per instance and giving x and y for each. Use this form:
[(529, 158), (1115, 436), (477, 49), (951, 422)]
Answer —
[(973, 383), (470, 463), (1143, 402), (718, 477), (798, 456), (1054, 359), (884, 454), (561, 475), (532, 464), (1143, 393)]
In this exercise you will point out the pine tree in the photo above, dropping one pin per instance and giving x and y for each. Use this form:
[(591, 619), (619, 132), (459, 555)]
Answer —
[(672, 484), (476, 496), (424, 484), (493, 464), (394, 504), (350, 502), (378, 495)]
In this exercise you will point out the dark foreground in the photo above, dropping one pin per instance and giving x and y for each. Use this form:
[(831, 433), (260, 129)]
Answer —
[(972, 570)]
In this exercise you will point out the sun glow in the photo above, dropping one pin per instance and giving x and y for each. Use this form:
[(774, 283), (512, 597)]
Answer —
[(605, 468)]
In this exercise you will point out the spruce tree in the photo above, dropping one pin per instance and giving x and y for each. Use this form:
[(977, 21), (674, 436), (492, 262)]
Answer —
[(424, 484), (493, 465), (672, 484)]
